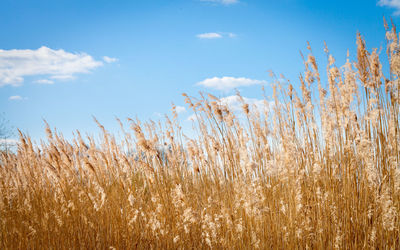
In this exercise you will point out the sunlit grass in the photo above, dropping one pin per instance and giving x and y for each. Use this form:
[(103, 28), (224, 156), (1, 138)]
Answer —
[(318, 168)]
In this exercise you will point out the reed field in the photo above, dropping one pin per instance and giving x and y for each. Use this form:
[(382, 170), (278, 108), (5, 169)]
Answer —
[(316, 168)]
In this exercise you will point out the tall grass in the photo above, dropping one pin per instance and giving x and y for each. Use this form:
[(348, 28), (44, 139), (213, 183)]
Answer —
[(317, 168)]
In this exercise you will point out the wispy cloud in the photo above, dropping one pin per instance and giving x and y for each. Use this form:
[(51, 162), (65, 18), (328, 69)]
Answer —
[(180, 109), (63, 77), (8, 142), (55, 64), (227, 83), (44, 81), (392, 4), (109, 59), (235, 103), (15, 98), (212, 35), (215, 35), (224, 2)]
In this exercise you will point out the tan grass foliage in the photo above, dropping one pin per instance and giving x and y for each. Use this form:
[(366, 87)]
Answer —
[(317, 169)]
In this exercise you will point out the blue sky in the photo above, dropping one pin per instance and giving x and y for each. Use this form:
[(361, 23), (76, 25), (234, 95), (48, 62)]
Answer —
[(67, 60)]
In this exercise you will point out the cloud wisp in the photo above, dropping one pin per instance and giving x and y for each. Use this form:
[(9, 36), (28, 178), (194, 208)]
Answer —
[(109, 59), (8, 141), (235, 104), (215, 35), (15, 98), (392, 4), (227, 83), (44, 81), (212, 35), (16, 64), (180, 109)]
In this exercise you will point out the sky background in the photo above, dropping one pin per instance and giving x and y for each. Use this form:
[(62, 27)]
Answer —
[(67, 60)]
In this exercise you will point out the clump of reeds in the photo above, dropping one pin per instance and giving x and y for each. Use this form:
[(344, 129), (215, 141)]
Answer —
[(317, 168)]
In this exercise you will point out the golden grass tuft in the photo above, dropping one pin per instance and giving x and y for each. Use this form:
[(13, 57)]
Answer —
[(317, 169)]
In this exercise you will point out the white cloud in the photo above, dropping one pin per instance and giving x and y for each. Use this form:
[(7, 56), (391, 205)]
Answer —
[(212, 35), (57, 64), (215, 35), (180, 109), (235, 104), (391, 3), (109, 59), (44, 81), (15, 98), (63, 77), (228, 83), (8, 141), (224, 2)]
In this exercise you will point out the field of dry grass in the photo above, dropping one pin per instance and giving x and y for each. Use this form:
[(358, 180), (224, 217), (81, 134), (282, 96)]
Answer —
[(318, 169)]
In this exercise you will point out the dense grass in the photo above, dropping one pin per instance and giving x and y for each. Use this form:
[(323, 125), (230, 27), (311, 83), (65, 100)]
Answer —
[(318, 168)]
